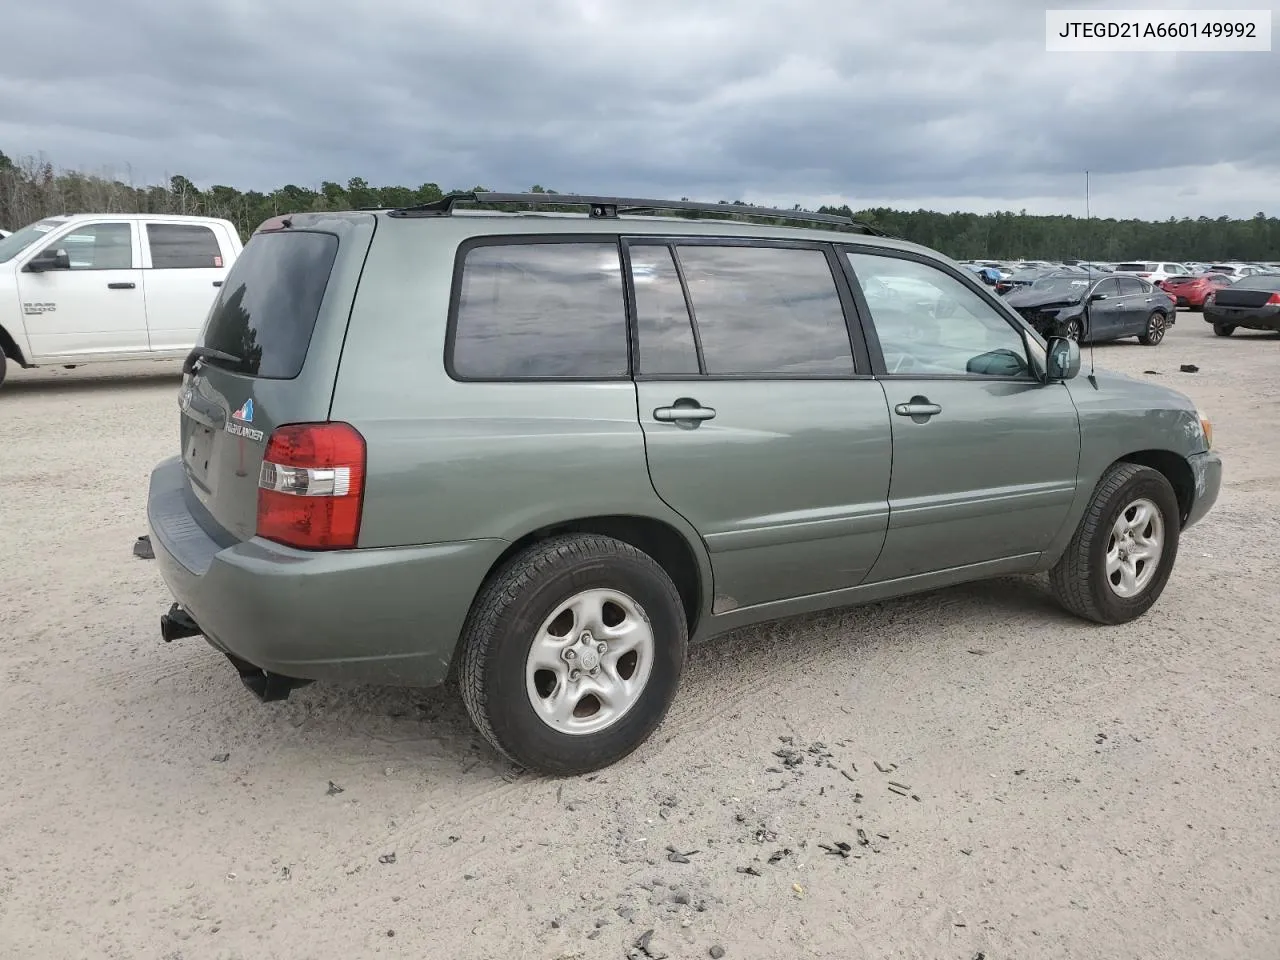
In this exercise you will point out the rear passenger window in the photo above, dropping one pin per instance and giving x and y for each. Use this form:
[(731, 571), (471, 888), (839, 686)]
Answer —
[(177, 246), (540, 311), (1130, 286), (766, 310)]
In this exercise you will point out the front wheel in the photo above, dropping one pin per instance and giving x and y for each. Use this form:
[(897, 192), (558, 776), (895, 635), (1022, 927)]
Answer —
[(1157, 324), (1071, 329), (1122, 554), (1224, 329), (572, 653)]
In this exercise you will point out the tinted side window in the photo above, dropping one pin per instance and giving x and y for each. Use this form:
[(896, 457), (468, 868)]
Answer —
[(931, 324), (1130, 286), (538, 310), (766, 310), (266, 311), (98, 246), (176, 246), (1109, 288), (663, 330)]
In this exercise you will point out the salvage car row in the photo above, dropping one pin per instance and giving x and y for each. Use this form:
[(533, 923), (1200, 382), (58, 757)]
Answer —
[(1093, 302)]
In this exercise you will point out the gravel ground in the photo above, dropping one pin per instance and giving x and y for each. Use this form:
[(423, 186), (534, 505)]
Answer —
[(1083, 792)]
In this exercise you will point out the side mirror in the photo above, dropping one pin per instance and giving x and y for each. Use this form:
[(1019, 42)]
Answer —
[(49, 258), (1097, 296), (1064, 359)]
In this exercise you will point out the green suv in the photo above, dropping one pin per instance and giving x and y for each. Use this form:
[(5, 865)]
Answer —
[(536, 452)]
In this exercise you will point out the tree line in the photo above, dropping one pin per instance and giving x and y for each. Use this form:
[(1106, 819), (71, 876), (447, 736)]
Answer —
[(31, 189)]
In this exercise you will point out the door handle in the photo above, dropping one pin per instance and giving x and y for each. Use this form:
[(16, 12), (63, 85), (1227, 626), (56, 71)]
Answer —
[(217, 283), (691, 412), (918, 409), (121, 286)]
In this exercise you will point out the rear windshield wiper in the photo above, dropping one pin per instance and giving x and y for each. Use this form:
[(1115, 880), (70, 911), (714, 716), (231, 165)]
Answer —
[(207, 353)]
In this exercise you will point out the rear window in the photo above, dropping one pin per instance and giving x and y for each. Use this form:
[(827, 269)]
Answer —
[(538, 311), (1137, 267), (267, 309), (1222, 268), (1259, 281), (182, 246)]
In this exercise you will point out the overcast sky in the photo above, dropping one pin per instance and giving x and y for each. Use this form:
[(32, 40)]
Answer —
[(938, 104)]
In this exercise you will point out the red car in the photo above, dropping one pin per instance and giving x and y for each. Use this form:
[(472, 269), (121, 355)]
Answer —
[(1191, 291)]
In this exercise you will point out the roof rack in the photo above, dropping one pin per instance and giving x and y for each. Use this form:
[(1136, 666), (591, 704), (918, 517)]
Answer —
[(608, 208)]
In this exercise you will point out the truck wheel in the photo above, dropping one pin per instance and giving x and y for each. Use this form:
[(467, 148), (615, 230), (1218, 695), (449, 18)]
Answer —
[(1224, 329), (572, 653), (1120, 558), (1156, 325)]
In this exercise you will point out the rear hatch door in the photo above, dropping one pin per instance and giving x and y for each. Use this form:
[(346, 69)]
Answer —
[(267, 355)]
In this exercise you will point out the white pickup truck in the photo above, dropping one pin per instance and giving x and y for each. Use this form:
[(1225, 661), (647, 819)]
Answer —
[(91, 287)]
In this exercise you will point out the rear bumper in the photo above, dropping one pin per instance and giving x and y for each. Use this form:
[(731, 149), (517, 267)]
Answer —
[(1207, 470), (387, 615), (1251, 318)]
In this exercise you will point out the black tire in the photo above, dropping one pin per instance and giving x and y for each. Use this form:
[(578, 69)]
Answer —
[(1079, 578), (1224, 329), (4, 367), (1157, 326), (500, 630)]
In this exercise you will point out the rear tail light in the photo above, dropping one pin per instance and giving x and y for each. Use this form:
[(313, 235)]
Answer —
[(311, 487), (1273, 300)]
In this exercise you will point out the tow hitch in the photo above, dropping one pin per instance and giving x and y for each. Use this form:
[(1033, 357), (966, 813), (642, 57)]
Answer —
[(178, 625)]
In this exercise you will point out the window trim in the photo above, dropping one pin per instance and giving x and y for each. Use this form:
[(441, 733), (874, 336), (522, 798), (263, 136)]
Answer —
[(135, 247), (872, 338), (862, 368), (144, 241), (528, 239)]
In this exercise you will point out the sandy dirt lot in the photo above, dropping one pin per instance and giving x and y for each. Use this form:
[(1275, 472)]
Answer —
[(1083, 792)]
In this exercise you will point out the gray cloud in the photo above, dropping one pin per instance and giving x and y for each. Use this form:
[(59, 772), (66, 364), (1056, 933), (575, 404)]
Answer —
[(918, 103)]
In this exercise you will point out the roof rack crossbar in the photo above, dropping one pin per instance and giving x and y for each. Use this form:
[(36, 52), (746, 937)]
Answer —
[(609, 208)]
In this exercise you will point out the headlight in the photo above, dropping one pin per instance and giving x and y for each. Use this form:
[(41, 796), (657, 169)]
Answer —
[(1206, 427)]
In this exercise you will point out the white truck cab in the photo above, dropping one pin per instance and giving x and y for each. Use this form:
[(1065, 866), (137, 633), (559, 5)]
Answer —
[(92, 287)]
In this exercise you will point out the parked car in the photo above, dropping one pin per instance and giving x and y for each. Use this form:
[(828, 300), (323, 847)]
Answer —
[(93, 287), (1020, 278), (508, 448), (989, 275), (1095, 309), (1252, 302), (1236, 270), (1190, 291), (1152, 271)]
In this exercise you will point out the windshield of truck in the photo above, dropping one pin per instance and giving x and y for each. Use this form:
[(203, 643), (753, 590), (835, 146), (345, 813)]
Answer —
[(18, 241)]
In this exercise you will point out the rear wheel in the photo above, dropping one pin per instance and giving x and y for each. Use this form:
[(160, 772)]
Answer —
[(1157, 324), (572, 654), (1120, 558), (1224, 329)]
